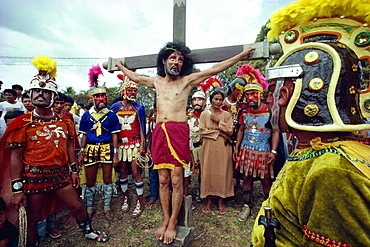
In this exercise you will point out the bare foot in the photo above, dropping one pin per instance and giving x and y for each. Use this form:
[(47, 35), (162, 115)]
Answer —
[(169, 235), (208, 205), (206, 208), (222, 209), (159, 233)]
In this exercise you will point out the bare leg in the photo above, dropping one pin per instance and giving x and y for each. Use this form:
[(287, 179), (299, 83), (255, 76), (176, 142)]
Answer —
[(70, 197), (136, 172), (247, 185), (186, 185), (221, 206), (177, 176), (207, 207), (34, 207), (266, 185), (164, 194)]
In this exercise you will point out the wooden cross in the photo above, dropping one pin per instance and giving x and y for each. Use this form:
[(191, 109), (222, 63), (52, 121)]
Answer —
[(208, 55)]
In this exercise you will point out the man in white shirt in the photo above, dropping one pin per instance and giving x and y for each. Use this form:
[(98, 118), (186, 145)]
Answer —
[(9, 105)]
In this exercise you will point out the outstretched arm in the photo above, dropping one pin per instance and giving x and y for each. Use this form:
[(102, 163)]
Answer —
[(147, 81), (196, 78)]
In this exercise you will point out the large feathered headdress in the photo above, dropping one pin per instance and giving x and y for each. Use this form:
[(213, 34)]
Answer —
[(46, 64), (211, 83), (253, 78), (94, 73)]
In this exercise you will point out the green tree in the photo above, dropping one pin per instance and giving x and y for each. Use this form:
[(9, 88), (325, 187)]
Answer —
[(228, 75), (69, 91)]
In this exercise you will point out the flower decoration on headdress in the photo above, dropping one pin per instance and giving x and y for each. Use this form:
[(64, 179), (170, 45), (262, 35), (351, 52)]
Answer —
[(46, 64), (94, 73), (253, 78)]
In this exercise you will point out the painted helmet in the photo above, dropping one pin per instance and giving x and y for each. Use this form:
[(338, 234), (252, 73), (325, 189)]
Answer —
[(327, 56)]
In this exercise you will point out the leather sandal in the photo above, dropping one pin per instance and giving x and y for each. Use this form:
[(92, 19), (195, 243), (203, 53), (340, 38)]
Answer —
[(54, 233), (149, 204)]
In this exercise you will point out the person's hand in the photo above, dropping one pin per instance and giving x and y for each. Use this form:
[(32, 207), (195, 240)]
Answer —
[(215, 117), (115, 160), (142, 150), (75, 179), (18, 200), (248, 52), (192, 168), (271, 159), (235, 154), (118, 62)]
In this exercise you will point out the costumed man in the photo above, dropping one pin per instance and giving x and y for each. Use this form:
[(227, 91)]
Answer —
[(171, 149), (253, 154), (131, 141), (319, 91), (99, 145), (198, 102), (42, 166)]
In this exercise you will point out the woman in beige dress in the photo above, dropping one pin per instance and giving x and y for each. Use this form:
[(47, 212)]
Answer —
[(216, 157)]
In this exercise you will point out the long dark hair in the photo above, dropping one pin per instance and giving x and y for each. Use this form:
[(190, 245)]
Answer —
[(169, 48)]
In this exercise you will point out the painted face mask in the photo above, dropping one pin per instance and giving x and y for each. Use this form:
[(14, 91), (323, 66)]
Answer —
[(99, 100), (173, 64), (252, 98), (198, 100), (42, 98)]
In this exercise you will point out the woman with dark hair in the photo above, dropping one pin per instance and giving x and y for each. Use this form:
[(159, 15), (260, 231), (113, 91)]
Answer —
[(215, 127)]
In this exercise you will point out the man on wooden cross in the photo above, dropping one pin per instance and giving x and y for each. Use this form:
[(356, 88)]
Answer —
[(170, 150)]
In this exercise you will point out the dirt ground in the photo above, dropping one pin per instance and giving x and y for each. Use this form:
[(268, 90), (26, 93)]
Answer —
[(210, 229)]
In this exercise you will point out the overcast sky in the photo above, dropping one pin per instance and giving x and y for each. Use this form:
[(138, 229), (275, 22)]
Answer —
[(76, 29)]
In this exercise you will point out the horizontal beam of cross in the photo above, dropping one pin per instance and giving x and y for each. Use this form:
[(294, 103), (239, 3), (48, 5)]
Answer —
[(208, 55)]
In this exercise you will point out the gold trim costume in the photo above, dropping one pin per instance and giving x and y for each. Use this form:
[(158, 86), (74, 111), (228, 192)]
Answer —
[(321, 197)]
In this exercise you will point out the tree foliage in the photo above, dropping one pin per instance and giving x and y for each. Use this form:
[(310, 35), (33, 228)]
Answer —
[(228, 75)]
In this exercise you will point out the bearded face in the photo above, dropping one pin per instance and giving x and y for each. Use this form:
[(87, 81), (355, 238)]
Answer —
[(129, 94), (42, 98), (173, 64), (99, 100)]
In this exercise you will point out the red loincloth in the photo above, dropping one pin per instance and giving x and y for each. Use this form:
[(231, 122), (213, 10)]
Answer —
[(170, 147)]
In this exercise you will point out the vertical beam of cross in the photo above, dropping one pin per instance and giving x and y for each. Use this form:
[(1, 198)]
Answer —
[(179, 20), (208, 55)]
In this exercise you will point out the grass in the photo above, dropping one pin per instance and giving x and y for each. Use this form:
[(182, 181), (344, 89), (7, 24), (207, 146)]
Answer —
[(210, 229)]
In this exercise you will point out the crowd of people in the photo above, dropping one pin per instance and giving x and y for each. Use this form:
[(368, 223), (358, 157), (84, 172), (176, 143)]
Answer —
[(231, 134), (89, 148)]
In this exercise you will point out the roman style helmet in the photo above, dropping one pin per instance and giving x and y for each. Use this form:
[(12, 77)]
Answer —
[(127, 83), (252, 79), (47, 82), (326, 46), (199, 94)]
